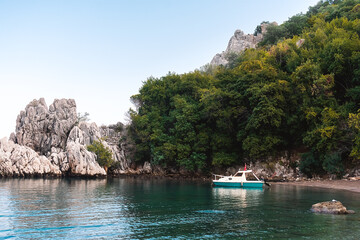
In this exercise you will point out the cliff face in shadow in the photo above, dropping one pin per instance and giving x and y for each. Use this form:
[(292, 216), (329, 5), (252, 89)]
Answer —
[(51, 141)]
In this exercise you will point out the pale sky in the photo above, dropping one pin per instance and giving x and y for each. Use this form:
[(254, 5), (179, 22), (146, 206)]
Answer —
[(99, 52)]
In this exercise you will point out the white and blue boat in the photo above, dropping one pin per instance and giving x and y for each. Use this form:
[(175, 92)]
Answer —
[(238, 180)]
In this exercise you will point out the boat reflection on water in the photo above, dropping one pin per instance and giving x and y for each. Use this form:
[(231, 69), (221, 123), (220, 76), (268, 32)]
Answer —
[(242, 197)]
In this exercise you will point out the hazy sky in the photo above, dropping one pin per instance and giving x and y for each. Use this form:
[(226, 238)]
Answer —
[(100, 51)]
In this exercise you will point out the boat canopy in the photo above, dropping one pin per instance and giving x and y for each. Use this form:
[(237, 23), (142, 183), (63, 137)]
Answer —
[(246, 171)]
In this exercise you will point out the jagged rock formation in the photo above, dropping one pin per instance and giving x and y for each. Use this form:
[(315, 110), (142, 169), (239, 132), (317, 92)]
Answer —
[(238, 43), (17, 160), (51, 141), (42, 128)]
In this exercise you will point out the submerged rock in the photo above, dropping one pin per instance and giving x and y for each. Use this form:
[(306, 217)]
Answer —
[(330, 207)]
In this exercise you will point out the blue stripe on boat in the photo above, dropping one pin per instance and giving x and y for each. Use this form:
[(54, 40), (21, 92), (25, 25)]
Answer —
[(237, 184)]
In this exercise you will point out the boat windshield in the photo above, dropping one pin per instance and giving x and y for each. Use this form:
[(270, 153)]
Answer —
[(238, 174)]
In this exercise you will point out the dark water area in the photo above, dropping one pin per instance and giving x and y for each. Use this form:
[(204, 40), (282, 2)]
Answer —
[(131, 208)]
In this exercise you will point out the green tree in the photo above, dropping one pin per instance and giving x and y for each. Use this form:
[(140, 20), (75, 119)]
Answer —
[(273, 34), (284, 96), (103, 154), (295, 25), (354, 123), (258, 28), (82, 117)]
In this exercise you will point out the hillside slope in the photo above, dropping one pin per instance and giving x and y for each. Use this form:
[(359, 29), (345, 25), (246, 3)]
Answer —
[(298, 91)]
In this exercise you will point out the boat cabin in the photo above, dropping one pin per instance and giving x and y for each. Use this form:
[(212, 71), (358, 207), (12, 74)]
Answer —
[(239, 179)]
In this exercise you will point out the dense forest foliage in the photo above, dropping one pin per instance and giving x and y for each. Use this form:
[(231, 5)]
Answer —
[(299, 91)]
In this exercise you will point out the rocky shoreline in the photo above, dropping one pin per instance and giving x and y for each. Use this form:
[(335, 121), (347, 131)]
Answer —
[(343, 184)]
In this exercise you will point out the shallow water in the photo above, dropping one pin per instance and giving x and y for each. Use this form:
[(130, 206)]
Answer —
[(167, 209)]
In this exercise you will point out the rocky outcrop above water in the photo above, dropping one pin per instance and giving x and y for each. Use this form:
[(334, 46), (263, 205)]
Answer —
[(330, 207), (238, 43), (17, 160), (51, 141), (42, 128)]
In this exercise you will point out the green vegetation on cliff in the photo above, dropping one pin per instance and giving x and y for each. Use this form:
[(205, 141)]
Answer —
[(103, 154), (299, 90)]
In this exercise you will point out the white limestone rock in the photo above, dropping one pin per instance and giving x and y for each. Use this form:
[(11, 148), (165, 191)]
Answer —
[(90, 132), (238, 43), (23, 161), (52, 141), (42, 128), (86, 133), (59, 158), (300, 42), (81, 161), (219, 59), (62, 119), (112, 135), (31, 124)]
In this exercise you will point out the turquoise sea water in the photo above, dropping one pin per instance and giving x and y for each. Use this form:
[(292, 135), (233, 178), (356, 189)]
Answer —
[(167, 209)]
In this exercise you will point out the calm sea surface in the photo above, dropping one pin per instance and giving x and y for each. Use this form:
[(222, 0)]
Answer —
[(167, 209)]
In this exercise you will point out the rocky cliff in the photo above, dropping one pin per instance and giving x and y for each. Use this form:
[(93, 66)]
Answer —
[(238, 43), (51, 141)]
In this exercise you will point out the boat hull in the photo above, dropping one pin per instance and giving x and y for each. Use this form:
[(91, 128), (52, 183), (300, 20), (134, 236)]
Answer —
[(239, 184)]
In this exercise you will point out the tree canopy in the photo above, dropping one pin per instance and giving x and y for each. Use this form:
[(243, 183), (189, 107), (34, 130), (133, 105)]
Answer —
[(299, 90)]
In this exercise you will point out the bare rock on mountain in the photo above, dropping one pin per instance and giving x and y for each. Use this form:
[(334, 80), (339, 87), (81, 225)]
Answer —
[(238, 43)]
